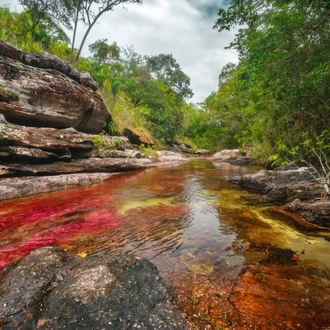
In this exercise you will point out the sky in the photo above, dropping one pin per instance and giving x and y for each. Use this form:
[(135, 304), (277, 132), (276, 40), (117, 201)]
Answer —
[(182, 28)]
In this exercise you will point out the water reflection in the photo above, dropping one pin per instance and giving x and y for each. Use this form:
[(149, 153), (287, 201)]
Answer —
[(199, 229), (190, 213)]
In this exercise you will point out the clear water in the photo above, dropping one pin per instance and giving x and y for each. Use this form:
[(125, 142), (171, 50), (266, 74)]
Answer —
[(188, 220)]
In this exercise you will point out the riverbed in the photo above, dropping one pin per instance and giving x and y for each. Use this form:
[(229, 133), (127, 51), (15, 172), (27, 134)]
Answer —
[(231, 263)]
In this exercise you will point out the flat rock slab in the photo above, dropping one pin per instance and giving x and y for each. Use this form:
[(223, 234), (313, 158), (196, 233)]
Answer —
[(281, 185), (49, 289), (25, 186)]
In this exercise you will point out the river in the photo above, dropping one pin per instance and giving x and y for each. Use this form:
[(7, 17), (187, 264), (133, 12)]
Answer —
[(231, 263)]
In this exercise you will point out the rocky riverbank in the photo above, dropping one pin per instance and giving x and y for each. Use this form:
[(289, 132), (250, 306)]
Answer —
[(299, 193), (50, 124)]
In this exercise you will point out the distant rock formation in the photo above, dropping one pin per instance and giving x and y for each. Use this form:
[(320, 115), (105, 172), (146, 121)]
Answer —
[(232, 156)]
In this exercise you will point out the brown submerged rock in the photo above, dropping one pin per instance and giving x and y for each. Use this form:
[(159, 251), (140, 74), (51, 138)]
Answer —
[(268, 297), (42, 90), (316, 211), (282, 298)]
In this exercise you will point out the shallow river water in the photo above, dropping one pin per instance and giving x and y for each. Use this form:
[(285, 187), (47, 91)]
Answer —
[(231, 263)]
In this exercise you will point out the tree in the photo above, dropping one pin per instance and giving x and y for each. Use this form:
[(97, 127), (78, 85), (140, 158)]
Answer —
[(57, 11), (69, 13), (17, 28), (284, 49), (165, 68), (103, 52), (226, 72), (85, 10)]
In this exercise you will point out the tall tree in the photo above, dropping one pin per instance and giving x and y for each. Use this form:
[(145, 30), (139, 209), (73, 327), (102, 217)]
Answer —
[(284, 48), (58, 11), (103, 52), (166, 69), (89, 11)]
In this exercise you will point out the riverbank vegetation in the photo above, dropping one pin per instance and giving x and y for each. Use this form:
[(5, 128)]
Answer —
[(274, 102)]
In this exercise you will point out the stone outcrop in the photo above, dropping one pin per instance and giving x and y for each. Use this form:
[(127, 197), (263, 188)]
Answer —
[(38, 160), (281, 185), (49, 289), (296, 188), (42, 90), (232, 156), (32, 185), (50, 120)]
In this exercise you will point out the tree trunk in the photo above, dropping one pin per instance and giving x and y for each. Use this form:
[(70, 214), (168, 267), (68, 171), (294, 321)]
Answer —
[(75, 31)]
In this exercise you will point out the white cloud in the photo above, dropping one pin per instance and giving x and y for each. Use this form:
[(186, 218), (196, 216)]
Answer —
[(182, 28)]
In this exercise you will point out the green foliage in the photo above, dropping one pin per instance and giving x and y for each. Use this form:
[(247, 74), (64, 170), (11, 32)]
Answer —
[(103, 52), (278, 97), (148, 150), (165, 69), (99, 142), (145, 95), (18, 29), (117, 142)]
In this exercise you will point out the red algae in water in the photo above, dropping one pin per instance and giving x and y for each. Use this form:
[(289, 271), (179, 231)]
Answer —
[(45, 223)]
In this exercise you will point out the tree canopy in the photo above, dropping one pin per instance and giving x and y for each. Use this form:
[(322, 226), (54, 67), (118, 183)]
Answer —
[(71, 14), (276, 101)]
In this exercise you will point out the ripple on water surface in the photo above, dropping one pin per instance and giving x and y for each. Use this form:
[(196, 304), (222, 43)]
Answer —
[(200, 230)]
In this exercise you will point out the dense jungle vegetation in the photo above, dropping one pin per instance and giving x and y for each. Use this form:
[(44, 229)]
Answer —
[(274, 103)]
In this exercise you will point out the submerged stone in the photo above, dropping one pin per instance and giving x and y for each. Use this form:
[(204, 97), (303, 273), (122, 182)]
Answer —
[(51, 290)]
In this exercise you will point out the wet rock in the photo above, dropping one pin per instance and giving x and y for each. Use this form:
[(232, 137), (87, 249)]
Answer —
[(42, 90), (51, 290), (232, 156), (286, 297), (295, 186), (25, 186), (281, 185), (316, 211)]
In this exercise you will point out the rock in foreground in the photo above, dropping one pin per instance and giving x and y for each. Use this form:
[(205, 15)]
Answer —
[(51, 290)]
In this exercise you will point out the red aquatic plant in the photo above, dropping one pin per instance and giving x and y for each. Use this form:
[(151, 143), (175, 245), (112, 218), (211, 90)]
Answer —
[(89, 224)]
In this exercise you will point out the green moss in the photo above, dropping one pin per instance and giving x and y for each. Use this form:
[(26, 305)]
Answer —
[(149, 151), (7, 96), (99, 142)]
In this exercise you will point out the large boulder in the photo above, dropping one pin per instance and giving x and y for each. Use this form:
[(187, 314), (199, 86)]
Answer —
[(281, 185), (51, 290), (232, 156), (43, 91)]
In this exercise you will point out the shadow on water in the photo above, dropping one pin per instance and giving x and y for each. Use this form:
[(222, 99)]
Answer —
[(231, 263)]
